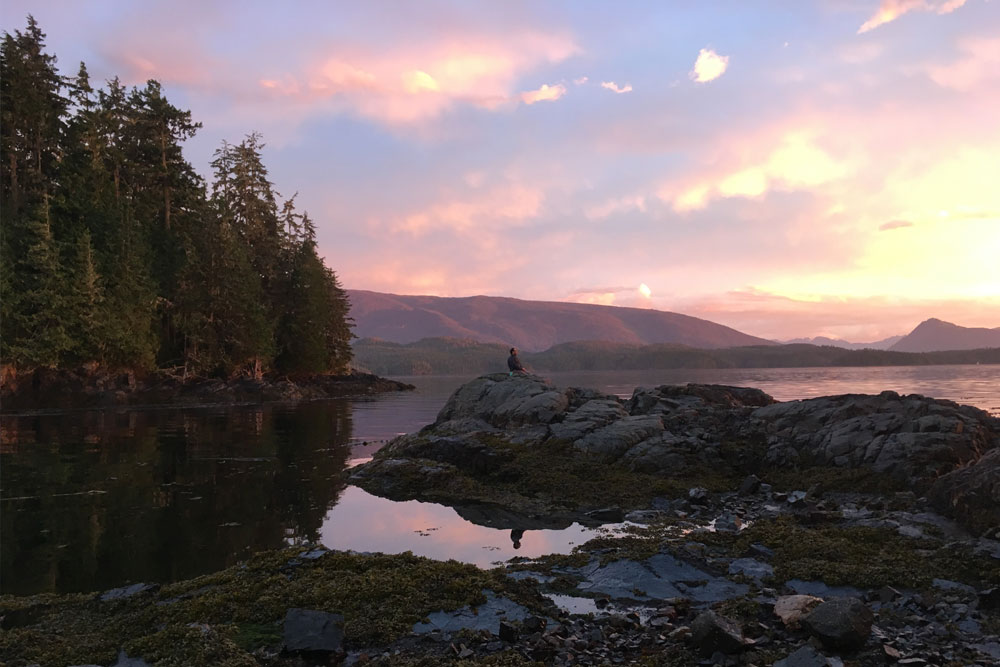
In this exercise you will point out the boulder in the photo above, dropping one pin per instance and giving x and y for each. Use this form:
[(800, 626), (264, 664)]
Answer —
[(791, 609), (971, 492), (804, 656), (841, 623), (912, 438), (711, 632), (313, 631)]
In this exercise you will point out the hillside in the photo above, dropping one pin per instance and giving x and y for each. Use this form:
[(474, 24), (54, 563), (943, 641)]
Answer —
[(934, 335), (530, 325)]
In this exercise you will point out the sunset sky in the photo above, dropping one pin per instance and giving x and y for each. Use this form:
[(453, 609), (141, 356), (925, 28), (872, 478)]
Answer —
[(784, 168)]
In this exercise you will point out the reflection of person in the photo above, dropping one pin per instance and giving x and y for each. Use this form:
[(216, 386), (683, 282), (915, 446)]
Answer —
[(515, 537), (514, 364)]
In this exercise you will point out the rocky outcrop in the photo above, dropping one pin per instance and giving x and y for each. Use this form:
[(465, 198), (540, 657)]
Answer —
[(971, 492), (912, 438), (680, 432)]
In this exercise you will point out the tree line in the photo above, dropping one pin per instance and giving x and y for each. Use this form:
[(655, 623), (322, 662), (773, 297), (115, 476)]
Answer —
[(115, 251), (452, 356)]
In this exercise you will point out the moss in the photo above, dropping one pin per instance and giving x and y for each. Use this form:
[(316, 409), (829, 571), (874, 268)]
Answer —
[(186, 646), (865, 557), (241, 608), (830, 478)]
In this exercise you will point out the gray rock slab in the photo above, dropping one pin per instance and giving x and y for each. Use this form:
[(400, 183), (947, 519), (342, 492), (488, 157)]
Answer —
[(310, 630), (484, 617), (125, 661), (751, 567), (821, 590), (958, 587), (804, 656), (627, 579), (659, 577), (127, 591)]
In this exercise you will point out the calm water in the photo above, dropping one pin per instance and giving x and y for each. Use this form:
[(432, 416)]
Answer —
[(94, 500)]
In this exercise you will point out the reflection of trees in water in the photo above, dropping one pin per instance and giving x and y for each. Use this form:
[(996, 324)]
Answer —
[(178, 493)]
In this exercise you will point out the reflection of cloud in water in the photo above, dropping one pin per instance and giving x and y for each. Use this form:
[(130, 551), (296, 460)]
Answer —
[(363, 522)]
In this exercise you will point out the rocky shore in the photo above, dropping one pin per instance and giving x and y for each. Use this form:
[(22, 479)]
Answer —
[(44, 389), (845, 530)]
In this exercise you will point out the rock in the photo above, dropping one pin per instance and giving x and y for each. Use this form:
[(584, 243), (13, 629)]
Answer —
[(711, 632), (727, 522), (805, 656), (841, 623), (125, 661), (127, 591), (486, 616), (791, 609), (912, 438), (310, 630), (507, 632), (972, 493), (752, 568), (819, 589), (990, 599), (749, 486), (698, 494)]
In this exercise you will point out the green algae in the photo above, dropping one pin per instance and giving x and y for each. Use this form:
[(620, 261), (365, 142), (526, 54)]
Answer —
[(218, 618), (861, 556)]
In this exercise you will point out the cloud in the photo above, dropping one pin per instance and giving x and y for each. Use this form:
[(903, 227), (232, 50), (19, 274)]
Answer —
[(709, 66), (890, 10), (510, 203), (581, 80), (615, 205), (980, 64), (797, 162), (894, 224), (858, 319), (546, 93), (414, 82), (613, 87)]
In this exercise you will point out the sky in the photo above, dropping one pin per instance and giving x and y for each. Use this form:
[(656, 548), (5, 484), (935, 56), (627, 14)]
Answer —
[(785, 168)]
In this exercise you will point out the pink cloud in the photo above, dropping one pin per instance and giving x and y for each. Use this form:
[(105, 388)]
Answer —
[(773, 316), (546, 93), (416, 82), (890, 10), (709, 66), (980, 64), (894, 224), (615, 88)]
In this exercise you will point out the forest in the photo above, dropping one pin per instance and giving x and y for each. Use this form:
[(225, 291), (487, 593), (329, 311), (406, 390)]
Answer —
[(115, 253), (452, 356)]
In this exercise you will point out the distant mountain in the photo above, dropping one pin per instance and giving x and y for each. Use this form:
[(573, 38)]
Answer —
[(933, 335), (530, 325), (883, 344)]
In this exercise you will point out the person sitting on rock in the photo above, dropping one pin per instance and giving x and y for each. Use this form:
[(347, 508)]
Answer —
[(514, 364)]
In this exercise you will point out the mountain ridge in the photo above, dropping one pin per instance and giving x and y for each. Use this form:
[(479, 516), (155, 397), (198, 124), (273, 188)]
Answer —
[(530, 325), (934, 335)]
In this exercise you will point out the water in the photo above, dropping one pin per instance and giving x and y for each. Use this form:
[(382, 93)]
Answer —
[(97, 499)]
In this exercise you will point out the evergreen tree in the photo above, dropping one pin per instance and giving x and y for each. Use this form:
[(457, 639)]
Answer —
[(34, 331), (31, 119), (86, 318), (111, 251)]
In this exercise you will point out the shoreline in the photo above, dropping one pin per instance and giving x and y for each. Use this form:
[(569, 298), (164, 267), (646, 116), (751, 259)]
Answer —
[(34, 392)]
